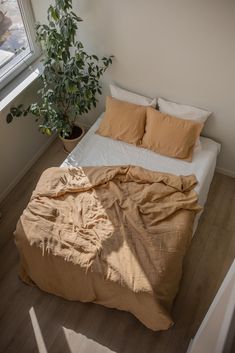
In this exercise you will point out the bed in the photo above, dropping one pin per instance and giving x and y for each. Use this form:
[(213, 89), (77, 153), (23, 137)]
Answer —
[(54, 274)]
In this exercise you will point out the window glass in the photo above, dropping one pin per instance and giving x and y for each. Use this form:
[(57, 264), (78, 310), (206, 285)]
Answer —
[(16, 45)]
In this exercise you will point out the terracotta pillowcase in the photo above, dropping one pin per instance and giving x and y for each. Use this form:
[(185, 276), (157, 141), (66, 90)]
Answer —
[(123, 121), (170, 136)]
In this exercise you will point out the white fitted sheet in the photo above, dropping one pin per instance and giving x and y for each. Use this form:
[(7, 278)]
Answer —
[(95, 150)]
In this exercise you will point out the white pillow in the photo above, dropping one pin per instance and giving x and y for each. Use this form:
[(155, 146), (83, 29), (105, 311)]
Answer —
[(127, 96), (183, 111)]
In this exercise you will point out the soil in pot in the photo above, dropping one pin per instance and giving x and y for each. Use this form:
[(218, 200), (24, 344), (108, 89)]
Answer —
[(71, 141), (76, 132)]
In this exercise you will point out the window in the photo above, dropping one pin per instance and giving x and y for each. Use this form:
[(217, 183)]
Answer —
[(18, 48)]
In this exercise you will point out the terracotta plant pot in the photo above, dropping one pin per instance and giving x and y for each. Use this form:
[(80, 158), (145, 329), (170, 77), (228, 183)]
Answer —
[(71, 143)]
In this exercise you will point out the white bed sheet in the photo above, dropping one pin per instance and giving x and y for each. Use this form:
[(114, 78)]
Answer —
[(95, 150)]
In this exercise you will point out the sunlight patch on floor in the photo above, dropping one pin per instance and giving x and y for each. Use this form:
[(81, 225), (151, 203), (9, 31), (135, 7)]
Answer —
[(37, 331), (78, 342)]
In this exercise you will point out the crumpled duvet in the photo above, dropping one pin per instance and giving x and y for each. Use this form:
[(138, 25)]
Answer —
[(126, 225)]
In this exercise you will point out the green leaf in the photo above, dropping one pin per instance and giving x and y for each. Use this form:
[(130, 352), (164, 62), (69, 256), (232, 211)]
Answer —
[(13, 110), (18, 113), (54, 13), (64, 56), (72, 88), (9, 118), (48, 132)]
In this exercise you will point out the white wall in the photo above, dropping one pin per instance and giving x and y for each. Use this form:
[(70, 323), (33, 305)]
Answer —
[(20, 143), (183, 50), (214, 332)]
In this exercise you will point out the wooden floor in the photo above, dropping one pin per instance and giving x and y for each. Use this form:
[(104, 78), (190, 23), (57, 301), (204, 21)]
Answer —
[(33, 321)]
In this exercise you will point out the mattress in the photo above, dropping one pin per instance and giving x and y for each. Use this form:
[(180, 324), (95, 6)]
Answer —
[(96, 150)]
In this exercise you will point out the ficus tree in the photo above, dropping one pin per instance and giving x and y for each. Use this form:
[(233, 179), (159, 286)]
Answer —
[(71, 76)]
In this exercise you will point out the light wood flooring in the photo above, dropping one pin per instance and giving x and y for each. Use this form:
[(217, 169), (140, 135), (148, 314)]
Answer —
[(33, 321)]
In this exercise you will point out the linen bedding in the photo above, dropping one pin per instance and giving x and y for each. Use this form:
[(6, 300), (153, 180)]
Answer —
[(113, 235)]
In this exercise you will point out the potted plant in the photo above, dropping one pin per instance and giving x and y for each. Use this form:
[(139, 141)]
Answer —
[(71, 77)]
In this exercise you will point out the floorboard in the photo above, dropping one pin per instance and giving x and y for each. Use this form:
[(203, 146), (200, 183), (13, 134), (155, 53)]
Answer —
[(33, 321)]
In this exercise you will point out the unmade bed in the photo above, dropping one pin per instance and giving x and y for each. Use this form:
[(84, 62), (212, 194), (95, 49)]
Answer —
[(134, 270)]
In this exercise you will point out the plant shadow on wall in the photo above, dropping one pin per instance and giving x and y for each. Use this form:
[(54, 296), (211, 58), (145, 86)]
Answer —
[(71, 77)]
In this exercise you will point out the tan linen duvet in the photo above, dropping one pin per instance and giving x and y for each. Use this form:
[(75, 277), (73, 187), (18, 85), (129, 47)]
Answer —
[(115, 236)]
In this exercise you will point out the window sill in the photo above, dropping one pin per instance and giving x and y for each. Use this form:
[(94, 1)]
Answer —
[(20, 83)]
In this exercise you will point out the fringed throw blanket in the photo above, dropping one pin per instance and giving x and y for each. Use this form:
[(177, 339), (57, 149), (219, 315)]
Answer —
[(113, 235)]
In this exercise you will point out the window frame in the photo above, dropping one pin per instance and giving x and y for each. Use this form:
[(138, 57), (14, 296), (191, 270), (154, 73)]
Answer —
[(34, 47)]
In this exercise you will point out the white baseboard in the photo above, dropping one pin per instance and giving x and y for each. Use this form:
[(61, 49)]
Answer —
[(26, 168), (227, 172), (190, 344)]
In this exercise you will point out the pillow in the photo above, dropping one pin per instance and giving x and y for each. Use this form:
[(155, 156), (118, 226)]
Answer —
[(169, 135), (127, 96), (183, 111), (123, 121)]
